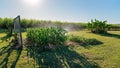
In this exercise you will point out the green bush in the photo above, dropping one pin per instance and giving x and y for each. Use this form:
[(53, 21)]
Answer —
[(1, 22), (97, 26), (46, 37), (76, 38)]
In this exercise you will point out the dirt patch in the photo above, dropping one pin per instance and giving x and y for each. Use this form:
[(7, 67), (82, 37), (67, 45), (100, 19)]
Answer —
[(70, 43)]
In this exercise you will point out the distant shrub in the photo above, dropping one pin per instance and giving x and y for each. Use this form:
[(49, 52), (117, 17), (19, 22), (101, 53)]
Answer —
[(46, 37), (6, 23), (1, 22), (25, 23), (114, 27), (97, 26)]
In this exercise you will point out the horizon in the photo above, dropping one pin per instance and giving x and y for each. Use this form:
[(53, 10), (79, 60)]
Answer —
[(58, 20), (62, 10)]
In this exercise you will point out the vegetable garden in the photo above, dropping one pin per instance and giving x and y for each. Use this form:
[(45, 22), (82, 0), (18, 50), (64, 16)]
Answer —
[(46, 37)]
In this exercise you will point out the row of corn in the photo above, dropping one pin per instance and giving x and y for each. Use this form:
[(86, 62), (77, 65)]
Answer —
[(47, 36)]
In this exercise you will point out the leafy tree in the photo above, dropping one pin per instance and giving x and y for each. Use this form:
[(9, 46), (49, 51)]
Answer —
[(97, 26)]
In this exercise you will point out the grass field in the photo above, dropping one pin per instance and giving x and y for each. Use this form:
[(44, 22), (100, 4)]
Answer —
[(105, 55)]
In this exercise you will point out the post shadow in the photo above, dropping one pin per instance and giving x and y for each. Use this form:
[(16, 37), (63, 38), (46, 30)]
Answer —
[(86, 43), (17, 58), (8, 50), (4, 62)]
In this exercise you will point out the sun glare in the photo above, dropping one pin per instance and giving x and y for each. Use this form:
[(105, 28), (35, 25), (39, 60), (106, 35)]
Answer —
[(33, 2)]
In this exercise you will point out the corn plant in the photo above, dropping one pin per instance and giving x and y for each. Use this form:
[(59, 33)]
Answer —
[(45, 37)]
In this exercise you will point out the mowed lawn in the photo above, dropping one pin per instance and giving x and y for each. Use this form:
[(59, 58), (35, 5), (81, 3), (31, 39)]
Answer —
[(105, 55)]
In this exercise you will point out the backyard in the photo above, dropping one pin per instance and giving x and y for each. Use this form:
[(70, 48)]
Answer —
[(104, 55)]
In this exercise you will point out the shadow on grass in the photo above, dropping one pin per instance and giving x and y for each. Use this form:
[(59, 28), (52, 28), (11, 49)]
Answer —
[(61, 58), (3, 30), (111, 35), (90, 42), (87, 43), (5, 38), (6, 52)]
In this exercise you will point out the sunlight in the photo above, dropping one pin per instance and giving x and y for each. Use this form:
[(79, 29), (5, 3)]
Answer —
[(33, 2)]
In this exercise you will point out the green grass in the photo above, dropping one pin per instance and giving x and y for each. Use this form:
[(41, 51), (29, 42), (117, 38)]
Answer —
[(104, 55)]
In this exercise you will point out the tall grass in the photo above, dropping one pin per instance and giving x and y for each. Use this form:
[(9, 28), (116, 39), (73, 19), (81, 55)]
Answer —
[(114, 27), (6, 23)]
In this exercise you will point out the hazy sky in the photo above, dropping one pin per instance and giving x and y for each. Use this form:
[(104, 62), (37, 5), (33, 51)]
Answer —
[(63, 10)]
